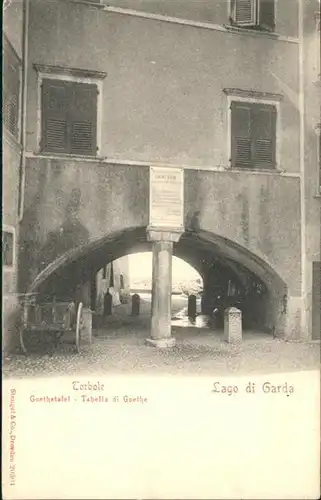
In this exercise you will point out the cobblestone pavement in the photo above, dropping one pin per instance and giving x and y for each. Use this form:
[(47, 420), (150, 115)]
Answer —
[(122, 349)]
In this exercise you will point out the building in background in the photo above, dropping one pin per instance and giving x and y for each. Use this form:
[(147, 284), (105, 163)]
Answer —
[(11, 163), (97, 92), (185, 279), (113, 279)]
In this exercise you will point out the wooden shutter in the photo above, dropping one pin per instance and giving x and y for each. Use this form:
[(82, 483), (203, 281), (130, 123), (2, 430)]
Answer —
[(11, 89), (54, 116), (267, 14), (244, 12), (241, 147), (83, 118), (263, 135)]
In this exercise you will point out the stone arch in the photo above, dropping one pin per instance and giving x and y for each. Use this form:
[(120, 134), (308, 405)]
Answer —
[(198, 248)]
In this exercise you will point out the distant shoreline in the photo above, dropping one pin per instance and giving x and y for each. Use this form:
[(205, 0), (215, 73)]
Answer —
[(146, 290)]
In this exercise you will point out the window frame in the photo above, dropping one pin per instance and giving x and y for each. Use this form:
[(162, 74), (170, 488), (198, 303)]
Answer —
[(75, 76), (12, 230), (256, 26), (235, 95)]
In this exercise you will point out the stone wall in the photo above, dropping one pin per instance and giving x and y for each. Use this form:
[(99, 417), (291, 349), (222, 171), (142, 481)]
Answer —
[(163, 98)]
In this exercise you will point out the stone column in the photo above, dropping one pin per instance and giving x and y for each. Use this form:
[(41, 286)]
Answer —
[(162, 286)]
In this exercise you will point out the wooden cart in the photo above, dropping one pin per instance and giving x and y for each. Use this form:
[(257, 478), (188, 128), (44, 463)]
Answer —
[(58, 320)]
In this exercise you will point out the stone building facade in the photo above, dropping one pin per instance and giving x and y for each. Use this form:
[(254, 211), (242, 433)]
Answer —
[(224, 90), (11, 161)]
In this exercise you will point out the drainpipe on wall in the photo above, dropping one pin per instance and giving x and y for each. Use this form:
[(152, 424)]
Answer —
[(23, 132), (304, 325)]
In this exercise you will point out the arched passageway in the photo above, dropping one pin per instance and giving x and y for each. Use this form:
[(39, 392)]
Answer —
[(231, 274), (139, 268)]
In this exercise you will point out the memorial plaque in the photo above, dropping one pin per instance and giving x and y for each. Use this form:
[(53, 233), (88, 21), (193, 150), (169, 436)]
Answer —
[(166, 197)]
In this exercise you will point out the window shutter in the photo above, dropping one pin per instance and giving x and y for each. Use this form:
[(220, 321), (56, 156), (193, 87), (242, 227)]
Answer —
[(82, 119), (267, 14), (11, 90), (243, 12), (264, 135), (10, 111), (54, 116), (241, 135)]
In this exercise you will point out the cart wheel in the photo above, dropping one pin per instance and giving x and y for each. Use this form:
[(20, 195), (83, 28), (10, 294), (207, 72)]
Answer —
[(22, 344), (79, 324)]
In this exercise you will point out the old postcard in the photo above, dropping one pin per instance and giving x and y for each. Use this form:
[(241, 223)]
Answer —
[(161, 249)]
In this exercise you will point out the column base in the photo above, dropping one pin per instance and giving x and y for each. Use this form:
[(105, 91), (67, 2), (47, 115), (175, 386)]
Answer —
[(161, 343)]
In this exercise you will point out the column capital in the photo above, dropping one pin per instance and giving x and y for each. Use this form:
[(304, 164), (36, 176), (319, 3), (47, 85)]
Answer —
[(171, 234)]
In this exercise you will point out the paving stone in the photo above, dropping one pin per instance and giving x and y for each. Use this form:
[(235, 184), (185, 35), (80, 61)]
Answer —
[(201, 353)]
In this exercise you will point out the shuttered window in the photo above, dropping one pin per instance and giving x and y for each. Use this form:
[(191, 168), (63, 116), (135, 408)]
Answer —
[(11, 91), (69, 117), (244, 12), (253, 134), (7, 248), (259, 14)]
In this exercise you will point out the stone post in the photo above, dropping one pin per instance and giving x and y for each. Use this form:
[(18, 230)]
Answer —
[(135, 304), (108, 304), (191, 306), (162, 286), (233, 325), (87, 325)]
